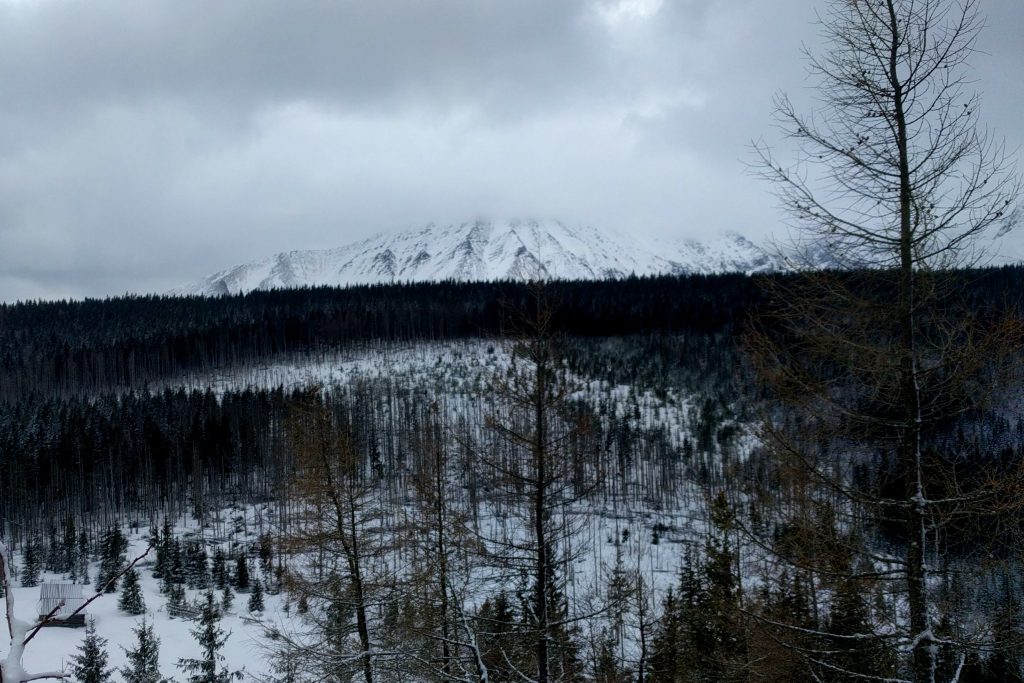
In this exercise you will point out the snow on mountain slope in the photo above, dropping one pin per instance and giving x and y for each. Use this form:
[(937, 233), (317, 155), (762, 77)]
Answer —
[(729, 253), (488, 251)]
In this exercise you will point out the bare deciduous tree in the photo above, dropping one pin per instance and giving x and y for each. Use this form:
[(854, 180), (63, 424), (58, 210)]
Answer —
[(541, 478), (896, 181), (338, 544)]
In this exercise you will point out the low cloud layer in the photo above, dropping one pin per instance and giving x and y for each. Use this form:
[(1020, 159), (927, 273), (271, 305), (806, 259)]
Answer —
[(145, 144)]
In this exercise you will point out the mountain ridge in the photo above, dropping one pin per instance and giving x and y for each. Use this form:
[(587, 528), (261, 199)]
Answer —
[(488, 250)]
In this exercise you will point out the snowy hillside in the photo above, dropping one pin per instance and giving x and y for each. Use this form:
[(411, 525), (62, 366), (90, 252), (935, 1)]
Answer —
[(628, 524), (489, 251)]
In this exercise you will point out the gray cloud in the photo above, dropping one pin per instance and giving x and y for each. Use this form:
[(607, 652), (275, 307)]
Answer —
[(145, 144)]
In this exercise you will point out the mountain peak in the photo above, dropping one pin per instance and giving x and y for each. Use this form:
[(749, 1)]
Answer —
[(488, 250)]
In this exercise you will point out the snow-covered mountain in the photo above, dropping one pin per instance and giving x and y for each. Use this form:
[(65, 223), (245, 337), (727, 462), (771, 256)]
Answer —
[(484, 250)]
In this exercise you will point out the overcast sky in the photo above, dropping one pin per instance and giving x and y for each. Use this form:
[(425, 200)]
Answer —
[(145, 144)]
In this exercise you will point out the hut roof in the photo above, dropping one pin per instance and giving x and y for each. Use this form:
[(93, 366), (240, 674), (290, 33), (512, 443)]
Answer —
[(52, 594)]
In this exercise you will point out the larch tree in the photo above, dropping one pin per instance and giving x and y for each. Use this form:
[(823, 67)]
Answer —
[(340, 547), (536, 455), (895, 184)]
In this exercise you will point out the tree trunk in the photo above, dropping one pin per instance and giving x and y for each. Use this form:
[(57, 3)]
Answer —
[(910, 439)]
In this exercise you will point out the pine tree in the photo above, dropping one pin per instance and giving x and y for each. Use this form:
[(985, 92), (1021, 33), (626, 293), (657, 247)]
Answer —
[(143, 659), (256, 597), (90, 664), (132, 601), (211, 639)]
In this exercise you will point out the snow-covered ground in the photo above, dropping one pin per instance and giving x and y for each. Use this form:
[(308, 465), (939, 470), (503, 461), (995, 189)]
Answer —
[(54, 647), (460, 371), (600, 538), (647, 536)]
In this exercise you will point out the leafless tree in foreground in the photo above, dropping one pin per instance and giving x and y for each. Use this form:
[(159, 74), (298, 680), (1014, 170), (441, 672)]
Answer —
[(894, 179), (338, 544), (537, 460)]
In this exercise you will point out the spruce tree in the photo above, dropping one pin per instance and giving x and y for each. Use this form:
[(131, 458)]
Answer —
[(665, 657), (82, 571), (90, 664), (242, 573), (30, 567), (52, 560), (228, 600), (197, 570), (163, 542), (220, 570), (607, 665), (211, 639), (854, 654), (504, 649), (143, 659), (132, 601), (113, 556), (266, 553), (174, 569), (160, 564), (175, 599), (700, 636), (69, 551), (256, 597)]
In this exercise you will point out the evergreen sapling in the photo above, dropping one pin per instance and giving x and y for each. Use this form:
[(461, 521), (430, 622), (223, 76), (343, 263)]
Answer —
[(90, 664), (211, 639), (131, 600), (143, 659), (256, 597)]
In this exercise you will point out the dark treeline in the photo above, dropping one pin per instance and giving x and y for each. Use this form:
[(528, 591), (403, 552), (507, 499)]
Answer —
[(177, 452), (103, 459), (94, 345), (85, 347)]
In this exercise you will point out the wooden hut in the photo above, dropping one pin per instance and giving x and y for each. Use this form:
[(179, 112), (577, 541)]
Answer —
[(65, 598)]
